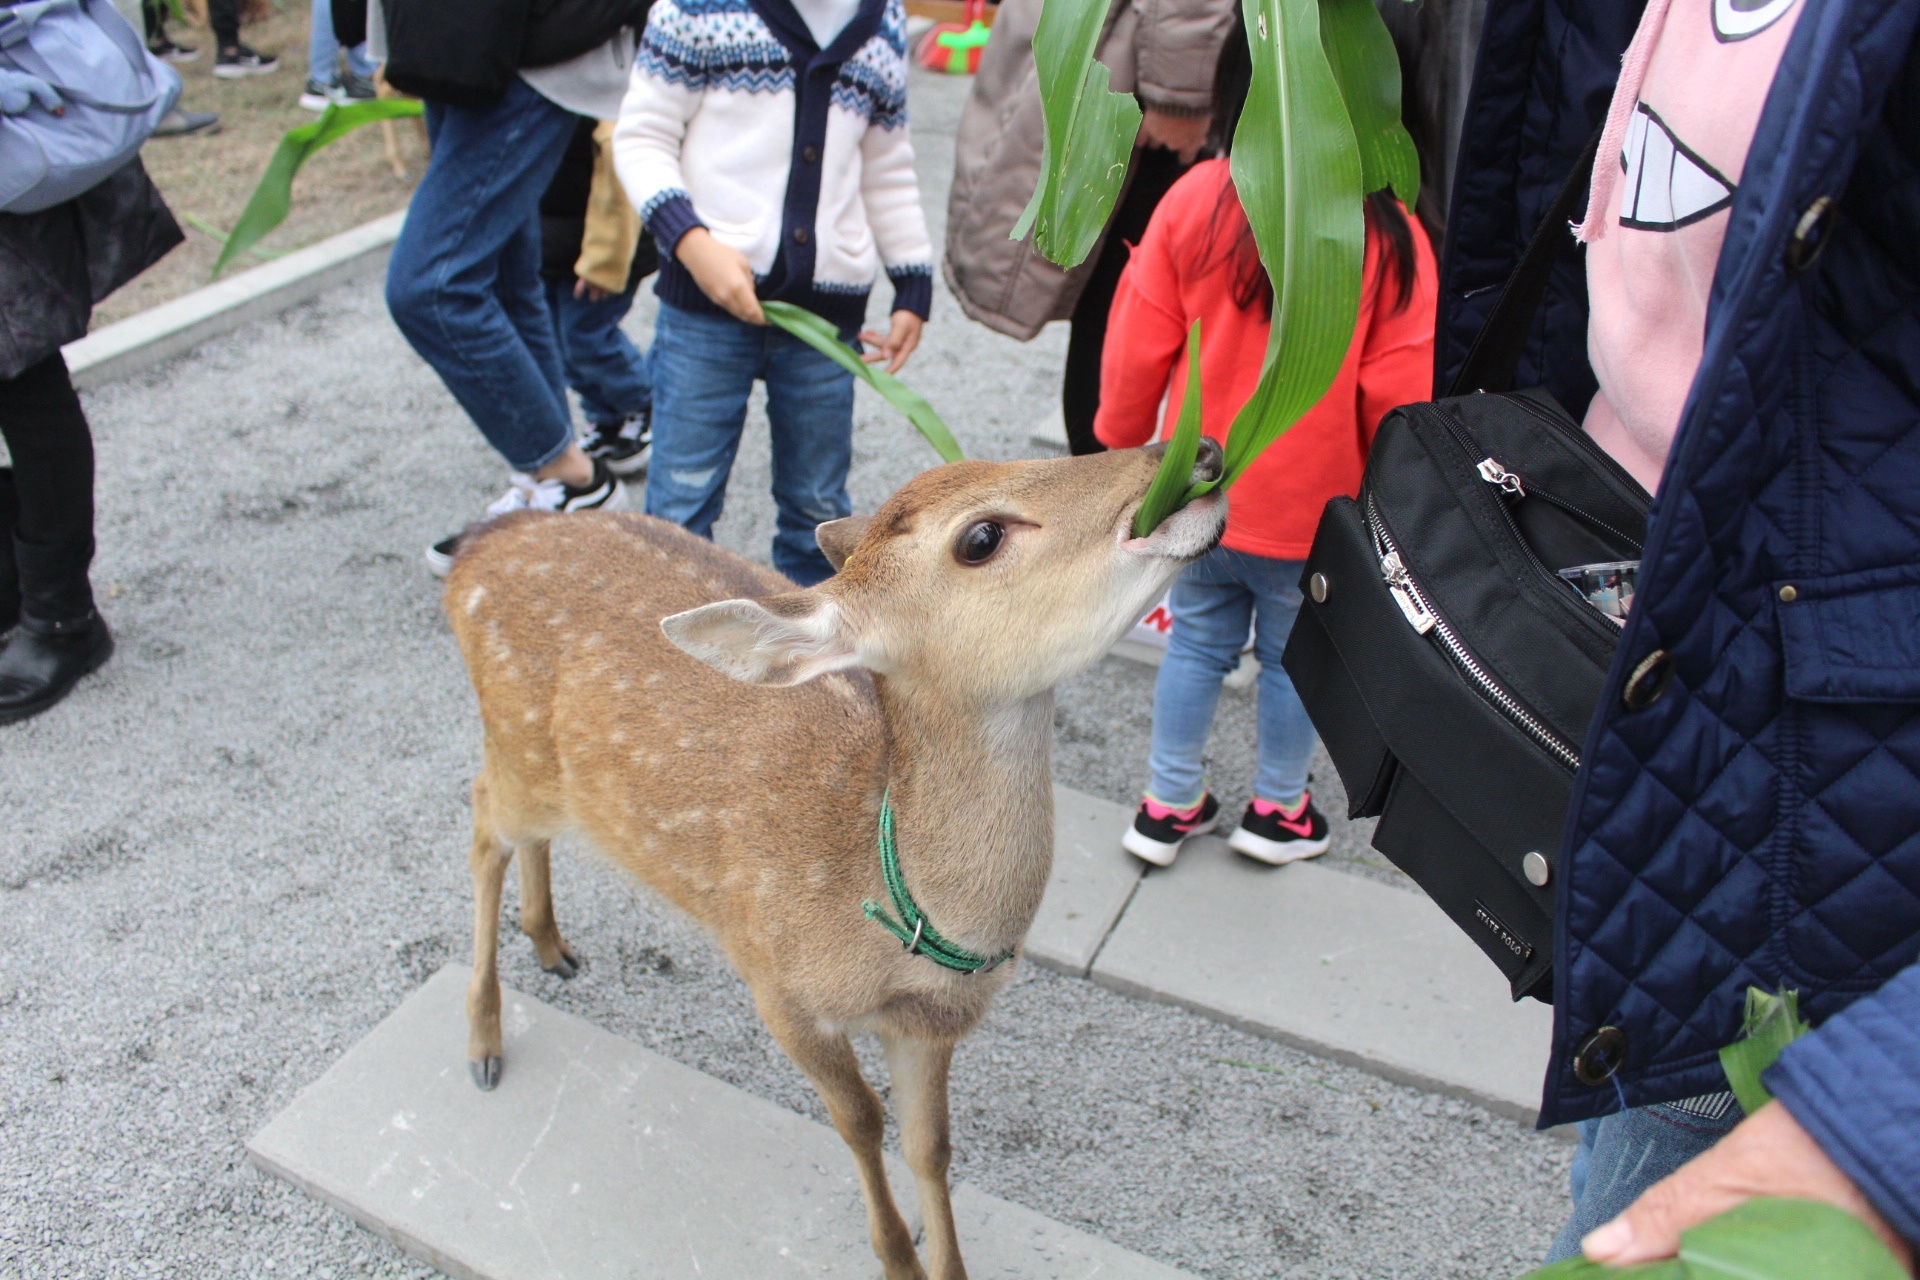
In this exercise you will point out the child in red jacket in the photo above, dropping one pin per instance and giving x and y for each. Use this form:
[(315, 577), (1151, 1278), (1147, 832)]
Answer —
[(1198, 261)]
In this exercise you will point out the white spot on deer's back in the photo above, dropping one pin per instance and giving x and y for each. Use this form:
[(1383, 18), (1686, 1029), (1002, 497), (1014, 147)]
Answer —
[(474, 597)]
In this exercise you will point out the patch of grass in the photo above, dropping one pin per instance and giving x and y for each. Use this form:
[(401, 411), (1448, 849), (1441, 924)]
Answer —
[(207, 179)]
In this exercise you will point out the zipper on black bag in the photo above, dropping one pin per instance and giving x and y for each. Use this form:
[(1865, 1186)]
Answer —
[(1517, 485), (1427, 620)]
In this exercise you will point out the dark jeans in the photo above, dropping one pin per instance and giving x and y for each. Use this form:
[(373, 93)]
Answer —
[(46, 499), (224, 17), (603, 366), (1155, 169), (464, 284)]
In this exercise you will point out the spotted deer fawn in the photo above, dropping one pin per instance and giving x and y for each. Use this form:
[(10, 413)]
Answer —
[(736, 744)]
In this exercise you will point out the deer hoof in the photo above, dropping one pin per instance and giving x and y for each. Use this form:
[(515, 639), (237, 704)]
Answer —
[(566, 965), (485, 1072)]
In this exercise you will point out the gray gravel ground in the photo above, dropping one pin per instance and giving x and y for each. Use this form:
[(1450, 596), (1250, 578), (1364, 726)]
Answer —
[(239, 846)]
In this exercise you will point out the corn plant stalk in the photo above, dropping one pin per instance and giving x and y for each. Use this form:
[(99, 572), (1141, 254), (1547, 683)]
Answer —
[(273, 196), (817, 333), (1090, 131)]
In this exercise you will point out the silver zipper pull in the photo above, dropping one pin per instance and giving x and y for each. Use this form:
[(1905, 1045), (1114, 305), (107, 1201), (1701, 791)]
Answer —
[(1493, 473), (1400, 586)]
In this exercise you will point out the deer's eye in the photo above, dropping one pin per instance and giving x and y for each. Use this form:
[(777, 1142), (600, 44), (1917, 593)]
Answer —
[(979, 540)]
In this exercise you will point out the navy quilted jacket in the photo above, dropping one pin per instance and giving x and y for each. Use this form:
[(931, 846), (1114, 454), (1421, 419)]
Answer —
[(1758, 822)]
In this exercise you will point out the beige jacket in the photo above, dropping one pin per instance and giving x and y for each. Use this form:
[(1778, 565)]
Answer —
[(1163, 51)]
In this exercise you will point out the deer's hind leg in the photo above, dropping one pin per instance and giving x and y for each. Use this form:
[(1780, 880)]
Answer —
[(536, 910), (488, 861), (918, 1070), (830, 1063)]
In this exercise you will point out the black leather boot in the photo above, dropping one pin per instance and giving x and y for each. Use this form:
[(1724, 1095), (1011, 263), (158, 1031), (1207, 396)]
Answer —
[(44, 660)]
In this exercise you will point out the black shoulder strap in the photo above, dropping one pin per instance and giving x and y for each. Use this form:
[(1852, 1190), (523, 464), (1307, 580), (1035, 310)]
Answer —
[(1495, 355)]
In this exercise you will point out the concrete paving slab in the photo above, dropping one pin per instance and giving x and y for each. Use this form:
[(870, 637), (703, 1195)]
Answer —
[(596, 1157), (1335, 964), (1092, 879)]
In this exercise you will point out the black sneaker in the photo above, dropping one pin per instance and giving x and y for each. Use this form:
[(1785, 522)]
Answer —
[(1158, 831), (316, 96), (625, 444), (185, 124), (353, 88), (1278, 836), (240, 61), (603, 493), (167, 51)]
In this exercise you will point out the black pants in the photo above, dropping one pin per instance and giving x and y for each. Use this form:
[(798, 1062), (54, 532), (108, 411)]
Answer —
[(1154, 171), (224, 17), (46, 499)]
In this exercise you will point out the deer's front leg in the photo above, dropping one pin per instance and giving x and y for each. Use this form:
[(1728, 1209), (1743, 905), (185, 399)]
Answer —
[(488, 861), (918, 1070), (831, 1065)]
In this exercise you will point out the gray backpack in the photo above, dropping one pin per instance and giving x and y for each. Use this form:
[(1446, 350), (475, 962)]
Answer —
[(114, 93)]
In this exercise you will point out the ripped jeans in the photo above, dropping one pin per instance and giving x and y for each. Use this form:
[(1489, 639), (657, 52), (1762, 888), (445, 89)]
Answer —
[(704, 367)]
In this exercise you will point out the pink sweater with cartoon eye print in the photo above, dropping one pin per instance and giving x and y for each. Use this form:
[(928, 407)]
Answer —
[(1691, 89)]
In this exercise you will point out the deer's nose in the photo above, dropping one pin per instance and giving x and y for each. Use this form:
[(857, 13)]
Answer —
[(1209, 462)]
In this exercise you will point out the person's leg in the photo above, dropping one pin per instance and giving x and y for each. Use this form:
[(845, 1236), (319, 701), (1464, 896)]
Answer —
[(9, 577), (52, 526), (1286, 731), (323, 49), (224, 17), (456, 282), (704, 367), (1211, 611), (603, 366), (59, 637), (523, 297), (1154, 171), (810, 411), (1629, 1151)]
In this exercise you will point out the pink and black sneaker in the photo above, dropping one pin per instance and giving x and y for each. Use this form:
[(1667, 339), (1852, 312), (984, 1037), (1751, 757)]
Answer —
[(1278, 836), (1158, 832)]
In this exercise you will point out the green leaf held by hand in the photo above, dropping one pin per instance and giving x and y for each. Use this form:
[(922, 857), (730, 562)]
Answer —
[(817, 333), (1772, 1023)]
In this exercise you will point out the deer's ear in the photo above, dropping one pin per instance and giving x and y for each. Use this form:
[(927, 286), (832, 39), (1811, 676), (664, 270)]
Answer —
[(781, 640), (838, 538)]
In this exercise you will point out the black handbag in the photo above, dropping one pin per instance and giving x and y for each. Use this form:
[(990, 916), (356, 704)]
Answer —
[(1448, 667)]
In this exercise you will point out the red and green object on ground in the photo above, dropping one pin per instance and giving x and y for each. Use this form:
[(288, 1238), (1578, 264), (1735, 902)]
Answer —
[(955, 48)]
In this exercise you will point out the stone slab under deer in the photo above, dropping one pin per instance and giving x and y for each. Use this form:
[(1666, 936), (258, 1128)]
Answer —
[(730, 739)]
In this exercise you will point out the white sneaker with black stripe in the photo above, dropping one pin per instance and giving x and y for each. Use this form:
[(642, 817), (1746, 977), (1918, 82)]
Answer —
[(603, 493)]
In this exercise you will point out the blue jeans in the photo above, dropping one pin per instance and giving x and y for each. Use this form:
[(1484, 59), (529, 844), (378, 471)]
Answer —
[(323, 50), (703, 369), (1623, 1154), (1214, 600), (464, 281), (602, 365)]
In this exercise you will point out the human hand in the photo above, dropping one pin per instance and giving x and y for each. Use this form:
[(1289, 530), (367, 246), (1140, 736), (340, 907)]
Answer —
[(1182, 135), (899, 343), (1767, 1154), (20, 91), (590, 292), (723, 274)]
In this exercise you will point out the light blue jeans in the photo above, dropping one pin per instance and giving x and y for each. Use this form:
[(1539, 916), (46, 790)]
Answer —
[(1214, 600), (704, 367), (1623, 1154), (323, 50)]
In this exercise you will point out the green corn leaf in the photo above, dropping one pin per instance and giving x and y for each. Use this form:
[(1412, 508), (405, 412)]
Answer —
[(1297, 168), (267, 208), (1773, 1022), (1090, 131), (1775, 1239), (1364, 62), (1168, 492), (824, 338), (1762, 1239)]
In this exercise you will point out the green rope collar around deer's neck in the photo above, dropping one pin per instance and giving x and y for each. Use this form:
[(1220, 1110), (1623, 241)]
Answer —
[(915, 931)]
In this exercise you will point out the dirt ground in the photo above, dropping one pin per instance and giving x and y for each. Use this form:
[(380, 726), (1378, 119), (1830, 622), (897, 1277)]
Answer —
[(211, 176)]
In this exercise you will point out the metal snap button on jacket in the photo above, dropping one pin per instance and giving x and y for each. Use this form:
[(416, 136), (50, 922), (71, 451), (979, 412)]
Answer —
[(1810, 234), (1648, 681), (1600, 1055), (1538, 869), (1317, 584)]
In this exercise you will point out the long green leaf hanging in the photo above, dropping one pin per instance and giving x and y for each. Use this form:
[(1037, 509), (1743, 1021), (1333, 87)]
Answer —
[(1360, 51), (1169, 491), (817, 333), (1765, 1238), (1296, 166), (1090, 131), (267, 207)]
